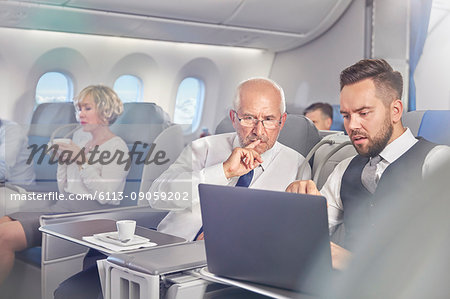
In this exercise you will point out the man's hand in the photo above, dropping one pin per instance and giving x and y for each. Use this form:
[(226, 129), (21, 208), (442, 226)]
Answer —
[(305, 187), (242, 160), (340, 257)]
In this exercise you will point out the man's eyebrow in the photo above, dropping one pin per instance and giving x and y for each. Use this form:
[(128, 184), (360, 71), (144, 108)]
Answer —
[(357, 110)]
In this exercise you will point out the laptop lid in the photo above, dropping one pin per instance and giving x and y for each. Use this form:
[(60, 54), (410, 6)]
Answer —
[(275, 238)]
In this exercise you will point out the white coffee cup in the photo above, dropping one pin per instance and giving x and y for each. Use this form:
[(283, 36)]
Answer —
[(125, 229)]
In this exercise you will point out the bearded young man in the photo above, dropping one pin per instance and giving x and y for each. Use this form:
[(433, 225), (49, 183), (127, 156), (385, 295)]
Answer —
[(390, 159)]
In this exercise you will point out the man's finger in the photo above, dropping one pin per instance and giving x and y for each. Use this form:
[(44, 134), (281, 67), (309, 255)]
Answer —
[(253, 144), (311, 188)]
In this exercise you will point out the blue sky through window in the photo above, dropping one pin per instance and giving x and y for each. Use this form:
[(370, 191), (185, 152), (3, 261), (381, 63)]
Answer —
[(53, 87), (189, 101), (128, 88)]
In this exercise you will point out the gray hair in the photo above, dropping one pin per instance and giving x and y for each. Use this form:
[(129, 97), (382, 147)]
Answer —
[(237, 97), (108, 104)]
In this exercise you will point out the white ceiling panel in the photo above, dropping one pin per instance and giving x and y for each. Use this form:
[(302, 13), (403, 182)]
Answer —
[(67, 20), (264, 24), (53, 2), (170, 30), (283, 15), (209, 11)]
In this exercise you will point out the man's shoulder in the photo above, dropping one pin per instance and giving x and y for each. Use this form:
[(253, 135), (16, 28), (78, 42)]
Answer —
[(286, 150), (227, 138)]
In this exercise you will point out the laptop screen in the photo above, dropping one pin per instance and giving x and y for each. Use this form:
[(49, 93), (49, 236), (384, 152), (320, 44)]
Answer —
[(275, 238)]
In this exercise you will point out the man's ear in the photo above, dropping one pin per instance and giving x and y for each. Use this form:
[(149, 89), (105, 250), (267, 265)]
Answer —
[(233, 118), (328, 123), (396, 111), (283, 120)]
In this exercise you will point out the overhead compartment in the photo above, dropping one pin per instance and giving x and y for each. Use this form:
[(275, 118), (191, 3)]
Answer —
[(263, 24)]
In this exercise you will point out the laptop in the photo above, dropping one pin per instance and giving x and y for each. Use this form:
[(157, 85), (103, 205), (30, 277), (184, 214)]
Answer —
[(272, 238)]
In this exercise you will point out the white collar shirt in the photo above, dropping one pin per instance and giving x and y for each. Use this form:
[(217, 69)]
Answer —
[(394, 150)]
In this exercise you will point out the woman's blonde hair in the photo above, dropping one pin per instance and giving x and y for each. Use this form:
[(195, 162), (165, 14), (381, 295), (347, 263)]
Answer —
[(107, 102)]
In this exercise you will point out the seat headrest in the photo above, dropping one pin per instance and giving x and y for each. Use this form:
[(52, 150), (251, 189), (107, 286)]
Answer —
[(141, 113), (140, 122), (435, 126), (299, 133), (225, 126), (54, 113), (49, 116)]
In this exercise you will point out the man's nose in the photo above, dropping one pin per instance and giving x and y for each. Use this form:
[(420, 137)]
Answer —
[(354, 123), (259, 128)]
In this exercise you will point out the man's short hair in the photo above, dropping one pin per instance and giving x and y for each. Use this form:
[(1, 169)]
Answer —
[(388, 83), (325, 108)]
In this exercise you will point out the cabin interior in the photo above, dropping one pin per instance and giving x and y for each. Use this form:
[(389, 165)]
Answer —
[(302, 45)]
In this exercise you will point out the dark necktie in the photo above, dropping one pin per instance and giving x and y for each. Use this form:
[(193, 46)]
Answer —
[(244, 181), (368, 175)]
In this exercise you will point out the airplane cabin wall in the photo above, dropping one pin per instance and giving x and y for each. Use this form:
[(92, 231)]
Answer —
[(433, 70), (311, 73), (91, 59)]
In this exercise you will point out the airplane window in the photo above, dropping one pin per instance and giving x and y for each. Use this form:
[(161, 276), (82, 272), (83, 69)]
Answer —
[(54, 87), (128, 88), (189, 103)]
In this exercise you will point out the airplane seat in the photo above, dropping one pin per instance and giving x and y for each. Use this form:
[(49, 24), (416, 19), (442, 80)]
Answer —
[(435, 126), (225, 126), (298, 133), (412, 120), (138, 126), (338, 120), (169, 141), (326, 154), (334, 149), (47, 117)]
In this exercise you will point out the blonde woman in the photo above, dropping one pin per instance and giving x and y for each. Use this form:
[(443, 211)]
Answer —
[(81, 178)]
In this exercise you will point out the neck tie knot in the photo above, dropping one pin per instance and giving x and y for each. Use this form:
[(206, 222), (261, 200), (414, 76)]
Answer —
[(375, 160)]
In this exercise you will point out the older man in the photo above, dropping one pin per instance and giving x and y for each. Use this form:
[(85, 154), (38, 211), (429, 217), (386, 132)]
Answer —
[(251, 156), (390, 159)]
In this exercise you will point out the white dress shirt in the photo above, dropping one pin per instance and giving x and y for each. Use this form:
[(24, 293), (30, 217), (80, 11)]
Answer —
[(14, 154), (202, 162), (394, 150)]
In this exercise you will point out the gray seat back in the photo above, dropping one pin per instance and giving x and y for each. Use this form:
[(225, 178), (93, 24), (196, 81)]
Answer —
[(335, 148), (138, 126), (47, 118), (412, 120), (169, 141)]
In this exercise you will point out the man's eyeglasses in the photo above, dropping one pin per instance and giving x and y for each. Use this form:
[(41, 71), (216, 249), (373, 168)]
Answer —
[(250, 122)]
